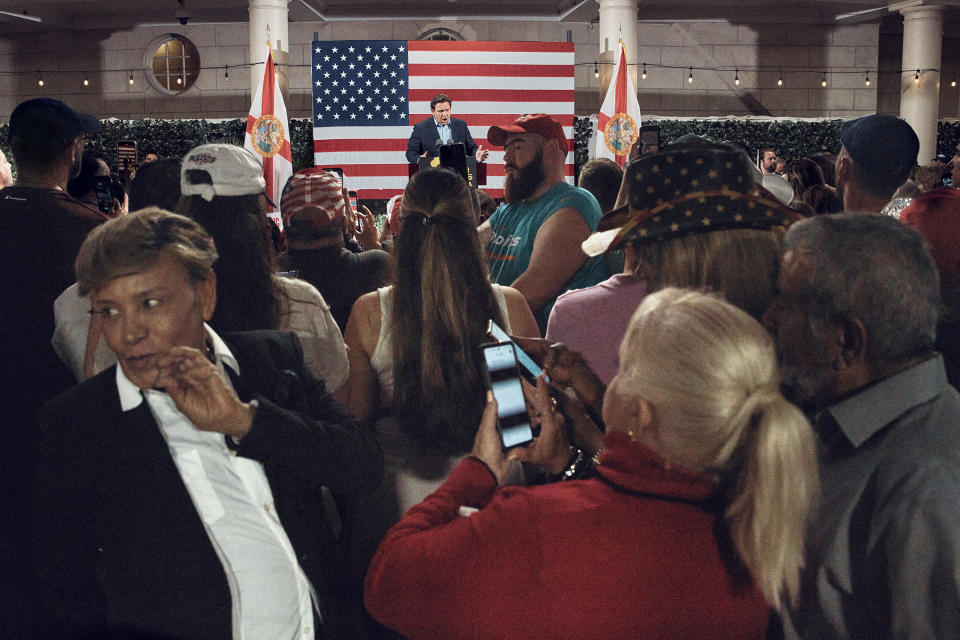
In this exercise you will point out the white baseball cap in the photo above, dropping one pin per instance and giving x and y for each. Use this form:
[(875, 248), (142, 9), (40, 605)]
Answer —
[(233, 170)]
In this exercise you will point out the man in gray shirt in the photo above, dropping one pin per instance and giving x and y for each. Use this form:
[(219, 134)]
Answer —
[(855, 324)]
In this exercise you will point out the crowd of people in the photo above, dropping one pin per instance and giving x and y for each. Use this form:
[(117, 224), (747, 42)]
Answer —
[(746, 424)]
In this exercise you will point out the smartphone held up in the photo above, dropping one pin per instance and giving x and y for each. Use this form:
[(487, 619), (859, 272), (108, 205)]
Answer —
[(502, 376)]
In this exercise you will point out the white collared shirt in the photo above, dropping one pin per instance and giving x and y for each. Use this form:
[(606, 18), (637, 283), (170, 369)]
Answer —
[(272, 597)]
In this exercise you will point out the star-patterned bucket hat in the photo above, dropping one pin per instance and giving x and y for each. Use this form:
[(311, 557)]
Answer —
[(687, 189)]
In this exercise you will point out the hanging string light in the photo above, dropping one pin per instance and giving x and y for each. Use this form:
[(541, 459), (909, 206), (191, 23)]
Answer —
[(180, 78)]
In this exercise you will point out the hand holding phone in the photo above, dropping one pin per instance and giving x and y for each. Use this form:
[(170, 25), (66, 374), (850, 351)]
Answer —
[(551, 449), (502, 376)]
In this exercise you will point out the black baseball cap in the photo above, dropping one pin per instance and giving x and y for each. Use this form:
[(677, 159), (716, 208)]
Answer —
[(881, 144), (50, 121)]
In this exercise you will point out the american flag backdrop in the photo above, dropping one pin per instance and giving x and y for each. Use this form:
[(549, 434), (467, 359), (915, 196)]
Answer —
[(368, 94)]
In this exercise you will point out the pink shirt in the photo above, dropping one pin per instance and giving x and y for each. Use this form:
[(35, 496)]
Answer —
[(592, 321)]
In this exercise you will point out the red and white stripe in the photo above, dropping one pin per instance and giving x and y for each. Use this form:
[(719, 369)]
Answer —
[(268, 100), (490, 83)]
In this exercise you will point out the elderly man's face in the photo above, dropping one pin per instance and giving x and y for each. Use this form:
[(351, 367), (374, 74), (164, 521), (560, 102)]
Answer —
[(145, 314), (805, 358)]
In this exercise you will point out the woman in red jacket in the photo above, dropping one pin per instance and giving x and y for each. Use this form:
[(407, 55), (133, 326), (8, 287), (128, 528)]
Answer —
[(692, 528)]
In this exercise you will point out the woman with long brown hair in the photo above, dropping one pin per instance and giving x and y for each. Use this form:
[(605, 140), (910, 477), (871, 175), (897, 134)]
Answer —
[(415, 367)]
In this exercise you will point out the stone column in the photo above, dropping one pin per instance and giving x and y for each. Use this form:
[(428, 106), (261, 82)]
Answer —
[(272, 14), (618, 21), (920, 101)]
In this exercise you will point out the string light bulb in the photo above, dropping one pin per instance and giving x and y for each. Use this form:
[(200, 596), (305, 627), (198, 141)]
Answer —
[(736, 77), (643, 72), (953, 82), (823, 82), (39, 78), (596, 70), (690, 77), (866, 79), (86, 80), (916, 77), (130, 78), (179, 80), (780, 79)]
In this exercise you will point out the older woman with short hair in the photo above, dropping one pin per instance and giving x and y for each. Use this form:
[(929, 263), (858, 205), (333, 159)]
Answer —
[(693, 527)]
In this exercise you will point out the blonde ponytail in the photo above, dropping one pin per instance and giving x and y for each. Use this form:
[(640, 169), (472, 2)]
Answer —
[(773, 490), (709, 371)]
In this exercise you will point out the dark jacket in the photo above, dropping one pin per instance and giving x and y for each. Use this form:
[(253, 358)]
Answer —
[(425, 136), (122, 552)]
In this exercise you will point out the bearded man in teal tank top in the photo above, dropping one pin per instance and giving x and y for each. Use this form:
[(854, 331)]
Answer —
[(533, 241)]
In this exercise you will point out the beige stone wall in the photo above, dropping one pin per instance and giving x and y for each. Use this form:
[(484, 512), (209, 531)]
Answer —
[(665, 92), (803, 52)]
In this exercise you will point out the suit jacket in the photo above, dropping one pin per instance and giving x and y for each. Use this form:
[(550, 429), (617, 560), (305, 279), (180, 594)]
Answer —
[(122, 552), (425, 136)]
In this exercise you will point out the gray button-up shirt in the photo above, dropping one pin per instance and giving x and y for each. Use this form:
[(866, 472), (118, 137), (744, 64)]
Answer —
[(883, 558)]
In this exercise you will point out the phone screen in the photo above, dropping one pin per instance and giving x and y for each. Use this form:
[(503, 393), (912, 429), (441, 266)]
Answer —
[(503, 376), (353, 205), (104, 194), (649, 140)]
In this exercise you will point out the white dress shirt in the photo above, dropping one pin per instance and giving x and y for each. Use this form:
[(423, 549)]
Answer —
[(272, 597)]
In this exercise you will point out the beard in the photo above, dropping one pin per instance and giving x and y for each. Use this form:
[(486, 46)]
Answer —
[(523, 181)]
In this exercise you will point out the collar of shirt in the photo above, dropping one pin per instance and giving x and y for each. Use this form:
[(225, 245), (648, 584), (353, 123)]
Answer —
[(130, 396), (441, 125), (867, 412)]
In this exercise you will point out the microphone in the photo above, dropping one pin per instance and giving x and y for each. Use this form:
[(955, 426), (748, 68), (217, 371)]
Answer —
[(439, 142)]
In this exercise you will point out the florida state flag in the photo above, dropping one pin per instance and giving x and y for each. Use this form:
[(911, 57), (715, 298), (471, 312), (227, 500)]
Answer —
[(619, 123), (268, 133)]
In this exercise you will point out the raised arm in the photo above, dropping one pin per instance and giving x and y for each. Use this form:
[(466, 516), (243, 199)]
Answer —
[(555, 258)]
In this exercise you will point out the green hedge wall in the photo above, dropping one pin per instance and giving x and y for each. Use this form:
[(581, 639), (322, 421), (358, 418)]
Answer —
[(791, 138)]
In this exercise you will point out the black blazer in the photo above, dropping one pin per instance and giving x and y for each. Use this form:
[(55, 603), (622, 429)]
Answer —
[(122, 552), (425, 136)]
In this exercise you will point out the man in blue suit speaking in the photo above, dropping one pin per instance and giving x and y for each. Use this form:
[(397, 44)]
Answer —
[(428, 135)]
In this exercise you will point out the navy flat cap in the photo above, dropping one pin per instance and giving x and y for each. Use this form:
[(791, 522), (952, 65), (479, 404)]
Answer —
[(881, 144)]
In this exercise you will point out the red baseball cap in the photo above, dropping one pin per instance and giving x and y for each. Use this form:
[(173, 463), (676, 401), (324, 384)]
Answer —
[(530, 123)]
